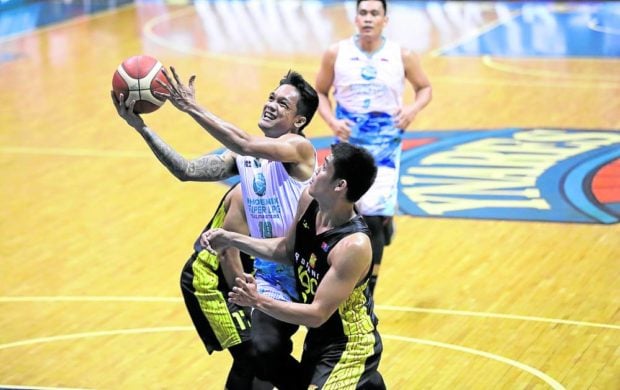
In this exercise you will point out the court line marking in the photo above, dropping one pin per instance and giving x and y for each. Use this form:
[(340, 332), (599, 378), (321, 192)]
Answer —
[(475, 34), (537, 373), (148, 30), (498, 315), (488, 61), (593, 25), (66, 298), (67, 23), (73, 152), (150, 25), (550, 381)]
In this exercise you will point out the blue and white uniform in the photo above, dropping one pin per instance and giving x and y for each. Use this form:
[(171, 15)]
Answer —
[(368, 89), (270, 197)]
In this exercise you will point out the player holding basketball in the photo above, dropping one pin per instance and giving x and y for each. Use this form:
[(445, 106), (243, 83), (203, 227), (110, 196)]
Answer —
[(273, 170), (367, 72), (330, 248)]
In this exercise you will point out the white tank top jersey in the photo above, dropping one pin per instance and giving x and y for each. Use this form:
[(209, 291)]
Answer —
[(366, 83), (368, 89), (270, 198)]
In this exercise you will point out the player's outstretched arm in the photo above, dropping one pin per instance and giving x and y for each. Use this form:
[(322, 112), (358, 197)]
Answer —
[(276, 249), (183, 97), (287, 148), (206, 168), (350, 261)]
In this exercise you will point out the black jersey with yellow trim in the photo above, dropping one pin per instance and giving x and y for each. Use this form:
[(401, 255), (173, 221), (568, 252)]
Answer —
[(355, 315)]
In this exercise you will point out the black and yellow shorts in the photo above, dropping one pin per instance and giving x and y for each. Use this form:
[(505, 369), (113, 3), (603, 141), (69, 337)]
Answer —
[(345, 363), (219, 323)]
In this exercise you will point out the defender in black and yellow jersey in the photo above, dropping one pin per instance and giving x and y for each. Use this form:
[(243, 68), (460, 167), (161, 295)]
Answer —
[(205, 284), (331, 251)]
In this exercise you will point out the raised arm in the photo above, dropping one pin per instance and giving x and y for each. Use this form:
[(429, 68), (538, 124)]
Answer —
[(421, 86), (276, 249), (289, 148), (350, 260), (211, 167), (279, 249)]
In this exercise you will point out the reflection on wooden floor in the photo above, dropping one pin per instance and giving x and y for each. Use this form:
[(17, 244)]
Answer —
[(95, 231)]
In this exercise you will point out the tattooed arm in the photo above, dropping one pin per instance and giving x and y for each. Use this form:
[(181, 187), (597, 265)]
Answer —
[(210, 167)]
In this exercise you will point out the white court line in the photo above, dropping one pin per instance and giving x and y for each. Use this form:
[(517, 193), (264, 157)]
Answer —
[(593, 25), (550, 381), (498, 315), (83, 18), (379, 307), (73, 336), (587, 79), (537, 373), (79, 152), (149, 33)]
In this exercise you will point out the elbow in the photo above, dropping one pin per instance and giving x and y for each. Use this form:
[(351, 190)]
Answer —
[(429, 93), (244, 148), (316, 321), (182, 176)]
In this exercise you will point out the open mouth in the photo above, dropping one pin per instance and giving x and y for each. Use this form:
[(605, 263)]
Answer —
[(269, 115)]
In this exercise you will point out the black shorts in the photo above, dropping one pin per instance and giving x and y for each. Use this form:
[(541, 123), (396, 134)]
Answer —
[(219, 323), (350, 363)]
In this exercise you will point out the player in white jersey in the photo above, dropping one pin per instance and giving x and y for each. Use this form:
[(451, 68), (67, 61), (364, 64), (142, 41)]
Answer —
[(270, 197), (367, 73), (273, 170)]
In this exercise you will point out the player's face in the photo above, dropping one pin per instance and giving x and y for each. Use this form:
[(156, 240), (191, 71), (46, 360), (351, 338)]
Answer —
[(370, 18), (322, 181), (280, 111)]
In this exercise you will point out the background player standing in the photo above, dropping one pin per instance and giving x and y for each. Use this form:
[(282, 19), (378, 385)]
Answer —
[(367, 73)]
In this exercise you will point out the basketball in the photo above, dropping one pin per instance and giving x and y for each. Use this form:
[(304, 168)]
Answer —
[(136, 79)]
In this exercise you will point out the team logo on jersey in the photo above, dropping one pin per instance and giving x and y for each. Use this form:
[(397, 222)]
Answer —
[(259, 184), (312, 261), (369, 72)]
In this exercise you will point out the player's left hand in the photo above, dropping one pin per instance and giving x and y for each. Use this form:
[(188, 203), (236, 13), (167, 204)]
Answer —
[(404, 117), (126, 112), (245, 292), (180, 95)]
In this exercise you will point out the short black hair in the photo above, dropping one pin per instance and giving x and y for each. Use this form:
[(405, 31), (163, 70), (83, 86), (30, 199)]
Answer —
[(355, 165), (384, 2), (308, 98)]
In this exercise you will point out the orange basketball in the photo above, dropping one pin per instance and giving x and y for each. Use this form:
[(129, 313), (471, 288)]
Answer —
[(136, 79)]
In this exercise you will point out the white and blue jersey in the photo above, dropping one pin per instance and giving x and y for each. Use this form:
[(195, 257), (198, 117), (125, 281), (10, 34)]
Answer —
[(270, 197), (368, 90)]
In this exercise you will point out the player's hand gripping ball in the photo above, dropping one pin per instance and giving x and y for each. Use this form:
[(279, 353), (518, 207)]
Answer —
[(136, 79)]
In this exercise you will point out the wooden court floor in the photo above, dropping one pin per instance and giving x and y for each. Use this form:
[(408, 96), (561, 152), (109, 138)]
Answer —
[(94, 230)]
